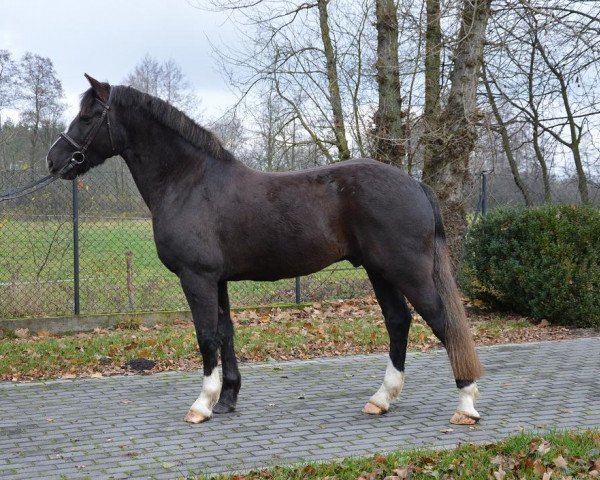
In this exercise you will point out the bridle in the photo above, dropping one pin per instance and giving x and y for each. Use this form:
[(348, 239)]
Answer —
[(78, 156)]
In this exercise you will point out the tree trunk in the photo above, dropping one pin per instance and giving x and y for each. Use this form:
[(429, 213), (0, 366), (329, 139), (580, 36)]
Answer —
[(389, 129), (33, 142), (334, 87), (539, 155), (433, 48), (535, 137), (447, 168)]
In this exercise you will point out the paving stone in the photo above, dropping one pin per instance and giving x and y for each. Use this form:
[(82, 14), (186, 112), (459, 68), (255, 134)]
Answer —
[(543, 385)]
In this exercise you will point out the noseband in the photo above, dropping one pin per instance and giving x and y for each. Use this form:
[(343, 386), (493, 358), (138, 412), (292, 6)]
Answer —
[(78, 156)]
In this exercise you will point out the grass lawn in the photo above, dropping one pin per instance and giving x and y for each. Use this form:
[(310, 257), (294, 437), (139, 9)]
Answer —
[(558, 455), (36, 271), (337, 328)]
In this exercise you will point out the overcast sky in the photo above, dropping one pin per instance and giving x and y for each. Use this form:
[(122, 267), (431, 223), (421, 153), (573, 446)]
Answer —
[(107, 38)]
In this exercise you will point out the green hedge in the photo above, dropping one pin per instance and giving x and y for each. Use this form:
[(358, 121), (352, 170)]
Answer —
[(543, 262)]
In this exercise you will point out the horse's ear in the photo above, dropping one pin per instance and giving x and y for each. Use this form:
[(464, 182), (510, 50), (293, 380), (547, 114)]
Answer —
[(102, 90)]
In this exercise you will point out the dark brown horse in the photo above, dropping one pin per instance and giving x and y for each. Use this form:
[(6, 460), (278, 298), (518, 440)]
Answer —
[(216, 220)]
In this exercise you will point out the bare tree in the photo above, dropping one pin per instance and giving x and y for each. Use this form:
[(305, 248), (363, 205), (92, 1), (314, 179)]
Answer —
[(8, 93), (506, 143), (231, 132), (335, 99), (543, 62), (165, 80), (41, 100), (307, 53), (8, 81)]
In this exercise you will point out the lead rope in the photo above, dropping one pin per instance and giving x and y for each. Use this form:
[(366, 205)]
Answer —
[(35, 186)]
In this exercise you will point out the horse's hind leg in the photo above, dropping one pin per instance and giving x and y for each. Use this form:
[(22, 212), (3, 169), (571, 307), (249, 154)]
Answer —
[(428, 302), (397, 321), (231, 375)]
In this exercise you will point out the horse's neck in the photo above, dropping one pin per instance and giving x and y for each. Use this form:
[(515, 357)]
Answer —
[(157, 159), (160, 161)]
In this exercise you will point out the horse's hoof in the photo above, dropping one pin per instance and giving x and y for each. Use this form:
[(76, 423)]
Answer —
[(221, 408), (194, 416), (372, 409), (461, 418)]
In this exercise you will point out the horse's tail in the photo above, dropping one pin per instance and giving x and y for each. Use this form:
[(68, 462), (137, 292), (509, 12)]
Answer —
[(459, 341)]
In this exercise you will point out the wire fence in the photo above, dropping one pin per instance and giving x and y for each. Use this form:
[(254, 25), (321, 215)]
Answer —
[(86, 247)]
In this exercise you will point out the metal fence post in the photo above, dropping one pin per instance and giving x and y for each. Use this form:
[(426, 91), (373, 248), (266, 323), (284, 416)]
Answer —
[(298, 291), (76, 308)]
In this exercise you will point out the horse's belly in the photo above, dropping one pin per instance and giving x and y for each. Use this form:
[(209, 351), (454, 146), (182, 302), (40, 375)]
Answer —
[(272, 268)]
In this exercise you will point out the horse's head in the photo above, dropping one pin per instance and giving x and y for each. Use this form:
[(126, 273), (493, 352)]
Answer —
[(90, 138)]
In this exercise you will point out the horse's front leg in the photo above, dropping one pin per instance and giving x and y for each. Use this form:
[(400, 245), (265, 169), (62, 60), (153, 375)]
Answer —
[(231, 375), (201, 293)]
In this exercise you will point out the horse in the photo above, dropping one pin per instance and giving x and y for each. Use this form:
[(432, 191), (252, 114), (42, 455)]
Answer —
[(216, 220)]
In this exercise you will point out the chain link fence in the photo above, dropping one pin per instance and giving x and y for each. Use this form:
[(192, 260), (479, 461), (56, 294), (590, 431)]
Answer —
[(87, 247)]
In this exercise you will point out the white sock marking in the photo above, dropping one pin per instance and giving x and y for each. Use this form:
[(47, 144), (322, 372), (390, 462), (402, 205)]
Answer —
[(466, 400), (209, 396), (390, 388)]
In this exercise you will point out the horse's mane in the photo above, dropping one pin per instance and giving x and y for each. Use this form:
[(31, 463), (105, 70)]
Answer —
[(166, 115)]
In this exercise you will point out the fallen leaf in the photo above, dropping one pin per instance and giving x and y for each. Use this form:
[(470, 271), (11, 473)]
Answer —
[(538, 467), (544, 448), (500, 474), (547, 475), (402, 473), (560, 462)]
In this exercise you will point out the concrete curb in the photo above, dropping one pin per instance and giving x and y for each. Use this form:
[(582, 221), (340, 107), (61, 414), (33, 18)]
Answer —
[(87, 323)]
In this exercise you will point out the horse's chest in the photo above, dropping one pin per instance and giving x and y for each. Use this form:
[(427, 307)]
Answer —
[(181, 246)]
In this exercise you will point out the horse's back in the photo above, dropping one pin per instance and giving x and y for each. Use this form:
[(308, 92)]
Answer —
[(356, 205)]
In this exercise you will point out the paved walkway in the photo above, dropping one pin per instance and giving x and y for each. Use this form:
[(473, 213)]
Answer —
[(132, 427)]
